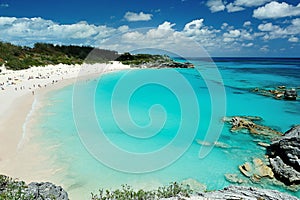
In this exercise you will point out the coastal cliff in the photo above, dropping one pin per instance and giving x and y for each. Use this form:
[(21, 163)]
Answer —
[(284, 154)]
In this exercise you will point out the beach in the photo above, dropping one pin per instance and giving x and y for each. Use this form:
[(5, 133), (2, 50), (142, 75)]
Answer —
[(20, 92)]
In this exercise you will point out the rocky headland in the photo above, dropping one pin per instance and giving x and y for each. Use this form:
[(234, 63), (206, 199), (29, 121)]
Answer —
[(281, 162), (284, 157), (151, 61)]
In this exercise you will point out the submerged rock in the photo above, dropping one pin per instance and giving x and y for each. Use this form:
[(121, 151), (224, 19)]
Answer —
[(256, 170), (194, 185), (216, 144), (242, 123), (284, 155), (234, 178)]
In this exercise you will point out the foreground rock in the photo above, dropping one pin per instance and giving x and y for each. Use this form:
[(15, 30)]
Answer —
[(284, 156), (12, 189), (41, 191), (239, 192)]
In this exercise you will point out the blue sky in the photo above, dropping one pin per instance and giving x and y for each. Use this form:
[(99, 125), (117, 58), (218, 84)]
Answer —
[(222, 28)]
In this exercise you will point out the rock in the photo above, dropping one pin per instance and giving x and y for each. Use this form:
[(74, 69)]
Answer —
[(256, 170), (41, 191), (284, 154), (194, 185), (261, 169), (290, 94), (279, 92), (233, 178), (281, 87), (246, 169), (263, 144), (37, 191), (238, 193), (249, 193), (246, 123), (284, 172), (216, 144)]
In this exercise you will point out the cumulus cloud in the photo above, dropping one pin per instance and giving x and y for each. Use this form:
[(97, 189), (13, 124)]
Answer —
[(293, 39), (276, 10), (134, 17), (247, 23), (250, 3), (233, 8), (232, 34), (272, 31), (27, 31), (268, 27), (248, 44), (215, 5)]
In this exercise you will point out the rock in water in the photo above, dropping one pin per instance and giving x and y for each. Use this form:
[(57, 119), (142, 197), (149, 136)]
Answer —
[(284, 157), (290, 94), (242, 123)]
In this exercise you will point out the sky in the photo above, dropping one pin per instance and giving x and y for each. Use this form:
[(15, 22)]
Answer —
[(235, 28)]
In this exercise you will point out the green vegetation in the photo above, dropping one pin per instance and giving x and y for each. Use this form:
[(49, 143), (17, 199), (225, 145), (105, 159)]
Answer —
[(41, 54), (17, 57), (12, 189), (138, 59), (172, 190), (18, 190)]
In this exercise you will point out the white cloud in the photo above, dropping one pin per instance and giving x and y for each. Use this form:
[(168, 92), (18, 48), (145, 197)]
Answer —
[(268, 27), (232, 34), (276, 10), (123, 28), (226, 39), (224, 25), (233, 8), (134, 17), (193, 27), (247, 23), (293, 39), (215, 5), (27, 31), (250, 3), (247, 45), (272, 31)]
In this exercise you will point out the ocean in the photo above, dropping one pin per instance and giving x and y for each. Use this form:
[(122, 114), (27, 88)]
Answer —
[(140, 127)]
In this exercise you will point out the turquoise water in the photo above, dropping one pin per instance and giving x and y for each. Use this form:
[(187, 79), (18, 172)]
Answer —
[(153, 128)]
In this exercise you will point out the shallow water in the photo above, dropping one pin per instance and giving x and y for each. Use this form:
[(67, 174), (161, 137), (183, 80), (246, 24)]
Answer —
[(82, 173)]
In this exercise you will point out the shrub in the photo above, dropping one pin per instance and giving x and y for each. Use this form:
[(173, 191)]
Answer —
[(172, 190)]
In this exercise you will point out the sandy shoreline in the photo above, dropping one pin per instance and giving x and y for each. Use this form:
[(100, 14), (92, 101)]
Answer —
[(20, 92)]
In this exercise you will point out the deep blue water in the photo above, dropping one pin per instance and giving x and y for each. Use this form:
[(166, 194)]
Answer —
[(146, 120)]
